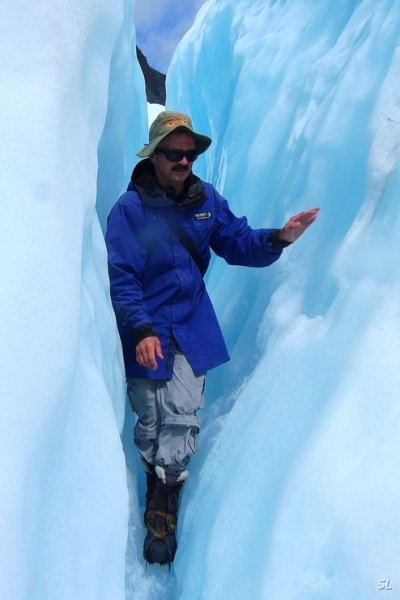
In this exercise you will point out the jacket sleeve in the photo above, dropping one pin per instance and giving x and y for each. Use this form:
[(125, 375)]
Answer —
[(235, 241), (126, 263)]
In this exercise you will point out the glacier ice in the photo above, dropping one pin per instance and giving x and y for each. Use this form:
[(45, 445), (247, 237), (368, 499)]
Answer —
[(64, 498), (294, 491)]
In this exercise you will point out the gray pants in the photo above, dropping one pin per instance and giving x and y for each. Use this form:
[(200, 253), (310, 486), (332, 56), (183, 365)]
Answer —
[(167, 425)]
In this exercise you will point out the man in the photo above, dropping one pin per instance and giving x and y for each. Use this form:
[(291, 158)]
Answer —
[(159, 237)]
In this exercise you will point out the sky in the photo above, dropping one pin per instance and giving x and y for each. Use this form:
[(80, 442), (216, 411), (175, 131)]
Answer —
[(160, 25)]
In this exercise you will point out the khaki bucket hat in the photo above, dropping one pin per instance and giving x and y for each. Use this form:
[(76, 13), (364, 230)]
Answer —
[(166, 123)]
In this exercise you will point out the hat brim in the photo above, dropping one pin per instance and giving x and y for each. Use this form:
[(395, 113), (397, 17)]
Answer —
[(202, 141)]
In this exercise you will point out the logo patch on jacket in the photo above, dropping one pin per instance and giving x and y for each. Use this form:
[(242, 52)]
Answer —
[(201, 216)]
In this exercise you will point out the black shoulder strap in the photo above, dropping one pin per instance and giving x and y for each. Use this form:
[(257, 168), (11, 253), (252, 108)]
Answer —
[(197, 192), (186, 241)]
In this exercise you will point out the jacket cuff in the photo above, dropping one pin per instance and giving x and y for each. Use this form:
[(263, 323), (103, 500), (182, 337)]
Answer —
[(144, 331), (276, 243)]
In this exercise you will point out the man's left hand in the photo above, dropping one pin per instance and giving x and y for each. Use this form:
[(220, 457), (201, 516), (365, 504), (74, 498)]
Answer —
[(297, 225)]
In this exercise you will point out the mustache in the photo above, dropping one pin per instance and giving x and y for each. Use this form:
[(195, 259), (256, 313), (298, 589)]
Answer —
[(180, 168)]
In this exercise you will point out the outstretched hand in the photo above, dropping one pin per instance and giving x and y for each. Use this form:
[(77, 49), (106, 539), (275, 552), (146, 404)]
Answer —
[(297, 225), (147, 352)]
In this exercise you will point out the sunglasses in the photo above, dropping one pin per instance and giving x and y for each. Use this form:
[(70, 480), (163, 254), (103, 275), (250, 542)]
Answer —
[(174, 155)]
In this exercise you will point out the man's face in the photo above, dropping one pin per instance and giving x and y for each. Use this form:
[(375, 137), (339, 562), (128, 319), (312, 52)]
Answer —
[(170, 173)]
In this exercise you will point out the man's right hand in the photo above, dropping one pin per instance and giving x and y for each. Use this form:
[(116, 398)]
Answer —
[(147, 352)]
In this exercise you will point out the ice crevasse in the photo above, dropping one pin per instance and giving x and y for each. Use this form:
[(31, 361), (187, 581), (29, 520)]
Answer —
[(294, 491)]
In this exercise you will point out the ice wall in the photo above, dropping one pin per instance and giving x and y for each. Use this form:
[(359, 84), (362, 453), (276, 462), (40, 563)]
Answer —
[(63, 499), (297, 495), (126, 126)]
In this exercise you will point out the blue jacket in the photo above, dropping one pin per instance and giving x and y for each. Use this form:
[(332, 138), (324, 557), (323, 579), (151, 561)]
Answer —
[(156, 286)]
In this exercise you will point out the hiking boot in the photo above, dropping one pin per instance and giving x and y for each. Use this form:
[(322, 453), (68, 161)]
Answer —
[(162, 501)]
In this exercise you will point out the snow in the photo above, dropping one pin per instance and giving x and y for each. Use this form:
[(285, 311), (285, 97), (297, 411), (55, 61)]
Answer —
[(294, 491), (153, 110)]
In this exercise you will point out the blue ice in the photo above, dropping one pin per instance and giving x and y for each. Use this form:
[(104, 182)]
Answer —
[(294, 492)]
